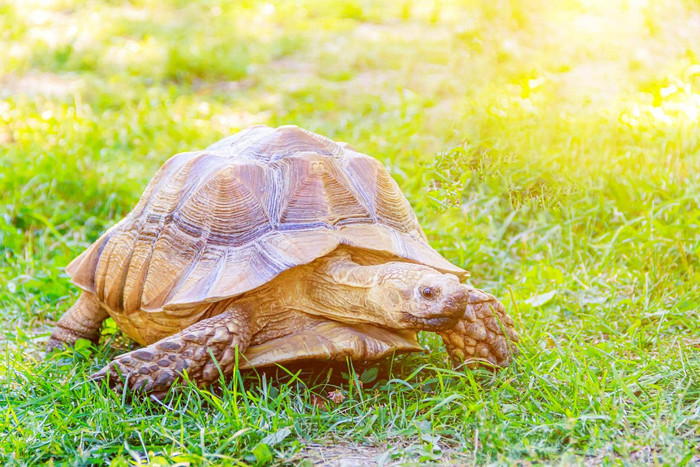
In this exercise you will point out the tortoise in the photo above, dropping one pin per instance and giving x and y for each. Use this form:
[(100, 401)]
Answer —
[(268, 247)]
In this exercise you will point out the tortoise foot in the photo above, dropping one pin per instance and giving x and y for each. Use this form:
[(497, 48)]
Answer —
[(82, 321), (204, 350), (152, 369), (484, 335), (65, 338)]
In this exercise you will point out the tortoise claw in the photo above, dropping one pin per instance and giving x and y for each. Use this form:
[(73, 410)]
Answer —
[(126, 371)]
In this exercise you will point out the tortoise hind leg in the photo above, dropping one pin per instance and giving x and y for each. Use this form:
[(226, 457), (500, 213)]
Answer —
[(155, 368), (82, 321)]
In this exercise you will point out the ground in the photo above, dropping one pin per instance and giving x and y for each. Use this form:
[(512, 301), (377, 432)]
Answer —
[(551, 149)]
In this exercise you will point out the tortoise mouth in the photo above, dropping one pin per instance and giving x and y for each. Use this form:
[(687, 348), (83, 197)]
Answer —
[(444, 317), (433, 322)]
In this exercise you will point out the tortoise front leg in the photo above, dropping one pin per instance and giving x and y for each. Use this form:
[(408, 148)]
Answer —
[(484, 334), (155, 368), (82, 321)]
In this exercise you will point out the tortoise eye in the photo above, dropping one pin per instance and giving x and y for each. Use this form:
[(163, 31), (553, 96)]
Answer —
[(429, 292)]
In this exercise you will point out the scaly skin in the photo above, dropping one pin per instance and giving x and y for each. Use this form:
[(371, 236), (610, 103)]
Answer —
[(154, 369), (82, 321), (484, 335)]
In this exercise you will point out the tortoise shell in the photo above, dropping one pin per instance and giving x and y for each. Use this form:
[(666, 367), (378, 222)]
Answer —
[(217, 223)]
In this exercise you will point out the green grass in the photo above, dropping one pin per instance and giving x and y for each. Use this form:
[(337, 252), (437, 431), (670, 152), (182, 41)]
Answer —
[(553, 151)]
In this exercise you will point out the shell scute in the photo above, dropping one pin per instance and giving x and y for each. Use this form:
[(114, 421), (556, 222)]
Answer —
[(320, 196)]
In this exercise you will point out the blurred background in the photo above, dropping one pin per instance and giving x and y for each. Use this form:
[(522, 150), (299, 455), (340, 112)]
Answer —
[(552, 148)]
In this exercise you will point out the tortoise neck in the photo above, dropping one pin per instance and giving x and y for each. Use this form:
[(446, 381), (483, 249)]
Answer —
[(338, 288), (339, 268)]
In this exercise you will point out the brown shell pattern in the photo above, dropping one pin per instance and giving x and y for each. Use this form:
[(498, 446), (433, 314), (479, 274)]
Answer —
[(220, 222)]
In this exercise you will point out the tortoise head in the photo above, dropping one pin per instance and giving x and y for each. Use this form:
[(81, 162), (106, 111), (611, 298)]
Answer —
[(418, 296), (394, 294)]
